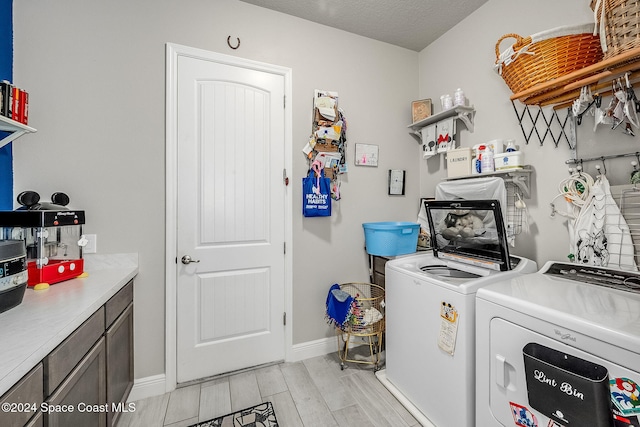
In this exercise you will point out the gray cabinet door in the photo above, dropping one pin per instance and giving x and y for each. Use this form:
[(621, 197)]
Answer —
[(84, 390), (24, 399), (119, 361)]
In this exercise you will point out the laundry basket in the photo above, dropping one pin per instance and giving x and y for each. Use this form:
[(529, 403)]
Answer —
[(364, 326), (618, 23), (547, 55)]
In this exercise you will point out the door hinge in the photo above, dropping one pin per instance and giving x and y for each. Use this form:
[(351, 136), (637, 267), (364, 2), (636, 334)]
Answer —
[(284, 101), (284, 247), (285, 178), (284, 318)]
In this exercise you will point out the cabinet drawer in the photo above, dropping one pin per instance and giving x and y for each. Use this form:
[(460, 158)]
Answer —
[(118, 303), (27, 392), (59, 363), (84, 388)]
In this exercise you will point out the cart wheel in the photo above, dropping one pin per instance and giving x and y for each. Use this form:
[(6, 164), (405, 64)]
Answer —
[(342, 366)]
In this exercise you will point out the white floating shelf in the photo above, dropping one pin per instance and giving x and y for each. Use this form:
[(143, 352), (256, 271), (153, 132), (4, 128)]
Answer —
[(17, 130), (463, 113)]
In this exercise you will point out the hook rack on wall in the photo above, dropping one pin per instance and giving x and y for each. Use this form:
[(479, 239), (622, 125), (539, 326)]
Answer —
[(562, 90), (602, 159), (556, 128)]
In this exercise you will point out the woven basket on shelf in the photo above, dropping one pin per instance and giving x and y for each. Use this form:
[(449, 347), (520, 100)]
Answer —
[(618, 22), (547, 55)]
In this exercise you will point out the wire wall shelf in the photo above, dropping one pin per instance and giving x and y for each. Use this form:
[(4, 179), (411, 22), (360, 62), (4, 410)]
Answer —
[(515, 210), (627, 197)]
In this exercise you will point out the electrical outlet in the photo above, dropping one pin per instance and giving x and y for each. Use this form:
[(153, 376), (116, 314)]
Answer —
[(92, 244)]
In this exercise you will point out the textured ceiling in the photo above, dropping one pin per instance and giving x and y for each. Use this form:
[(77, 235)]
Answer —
[(412, 24)]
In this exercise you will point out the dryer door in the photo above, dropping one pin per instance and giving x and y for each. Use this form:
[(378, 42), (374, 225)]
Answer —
[(558, 384)]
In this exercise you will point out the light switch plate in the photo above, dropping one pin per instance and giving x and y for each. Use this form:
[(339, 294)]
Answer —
[(92, 245)]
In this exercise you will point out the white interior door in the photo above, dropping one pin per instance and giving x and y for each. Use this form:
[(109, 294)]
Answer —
[(230, 217)]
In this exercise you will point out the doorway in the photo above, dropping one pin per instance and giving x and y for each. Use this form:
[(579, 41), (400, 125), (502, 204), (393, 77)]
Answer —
[(228, 214)]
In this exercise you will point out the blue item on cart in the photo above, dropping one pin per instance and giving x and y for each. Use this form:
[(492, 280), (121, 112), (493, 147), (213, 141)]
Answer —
[(339, 305)]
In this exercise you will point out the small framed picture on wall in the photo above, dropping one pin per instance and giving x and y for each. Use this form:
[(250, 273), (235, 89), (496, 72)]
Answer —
[(366, 155), (396, 182), (420, 110)]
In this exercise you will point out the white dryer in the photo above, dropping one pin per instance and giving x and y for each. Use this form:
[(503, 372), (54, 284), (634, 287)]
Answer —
[(430, 313), (559, 348)]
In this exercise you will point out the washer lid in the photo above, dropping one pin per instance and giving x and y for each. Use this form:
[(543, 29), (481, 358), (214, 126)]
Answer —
[(470, 232), (605, 313)]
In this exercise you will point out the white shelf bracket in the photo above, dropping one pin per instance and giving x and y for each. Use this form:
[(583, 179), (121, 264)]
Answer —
[(16, 130), (467, 119), (12, 136), (520, 178)]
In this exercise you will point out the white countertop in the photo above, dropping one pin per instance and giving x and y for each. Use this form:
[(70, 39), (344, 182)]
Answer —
[(45, 318)]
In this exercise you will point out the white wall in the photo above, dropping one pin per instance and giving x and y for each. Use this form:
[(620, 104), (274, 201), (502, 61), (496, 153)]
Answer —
[(95, 73), (464, 58)]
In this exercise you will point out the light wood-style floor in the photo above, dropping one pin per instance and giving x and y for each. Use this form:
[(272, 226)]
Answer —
[(313, 392)]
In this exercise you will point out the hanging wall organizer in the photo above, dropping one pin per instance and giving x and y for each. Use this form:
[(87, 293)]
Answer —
[(327, 143)]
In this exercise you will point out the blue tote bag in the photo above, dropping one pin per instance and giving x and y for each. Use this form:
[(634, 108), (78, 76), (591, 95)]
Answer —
[(316, 193)]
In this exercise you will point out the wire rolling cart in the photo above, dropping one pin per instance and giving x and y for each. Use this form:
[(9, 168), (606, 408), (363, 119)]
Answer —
[(366, 323)]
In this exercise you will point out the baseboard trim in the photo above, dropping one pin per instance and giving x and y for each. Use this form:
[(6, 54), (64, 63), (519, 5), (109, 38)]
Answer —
[(316, 348), (143, 388)]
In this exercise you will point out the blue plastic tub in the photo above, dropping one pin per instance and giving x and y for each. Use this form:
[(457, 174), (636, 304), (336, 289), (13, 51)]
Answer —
[(391, 238)]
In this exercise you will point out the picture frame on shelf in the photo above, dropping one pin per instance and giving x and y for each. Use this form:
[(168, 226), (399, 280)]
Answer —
[(420, 109)]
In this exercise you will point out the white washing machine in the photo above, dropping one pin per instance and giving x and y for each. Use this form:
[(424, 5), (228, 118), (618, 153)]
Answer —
[(430, 313), (559, 348)]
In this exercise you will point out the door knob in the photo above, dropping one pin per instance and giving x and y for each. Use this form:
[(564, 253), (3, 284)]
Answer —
[(188, 260)]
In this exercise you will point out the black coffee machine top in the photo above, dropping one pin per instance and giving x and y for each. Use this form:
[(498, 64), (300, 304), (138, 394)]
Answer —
[(34, 213), (30, 200)]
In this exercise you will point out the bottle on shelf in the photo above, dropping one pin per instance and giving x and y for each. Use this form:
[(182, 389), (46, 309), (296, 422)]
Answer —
[(459, 98), (446, 102), (477, 161), (487, 163)]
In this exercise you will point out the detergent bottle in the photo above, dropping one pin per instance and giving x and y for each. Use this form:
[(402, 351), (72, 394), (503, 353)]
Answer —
[(477, 162), (487, 164)]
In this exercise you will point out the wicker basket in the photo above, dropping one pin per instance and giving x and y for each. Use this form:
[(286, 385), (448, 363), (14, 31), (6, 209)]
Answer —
[(547, 55), (618, 22)]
